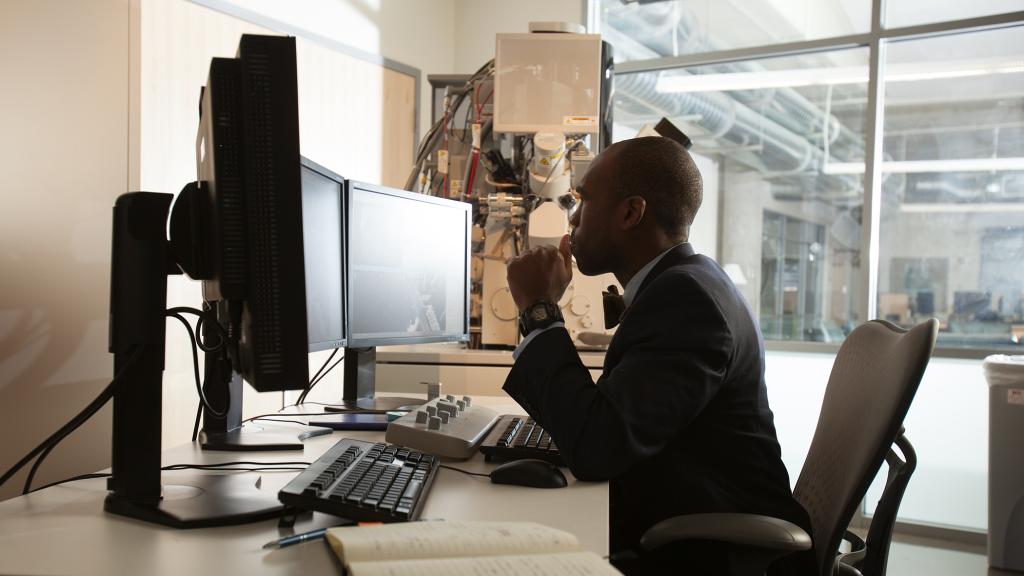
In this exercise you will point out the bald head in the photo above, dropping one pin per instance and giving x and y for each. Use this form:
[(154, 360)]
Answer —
[(663, 173)]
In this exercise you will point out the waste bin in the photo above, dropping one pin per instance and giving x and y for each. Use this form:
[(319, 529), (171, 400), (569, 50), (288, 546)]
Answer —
[(1005, 376)]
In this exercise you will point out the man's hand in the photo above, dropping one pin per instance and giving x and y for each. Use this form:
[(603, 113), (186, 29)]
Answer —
[(543, 273)]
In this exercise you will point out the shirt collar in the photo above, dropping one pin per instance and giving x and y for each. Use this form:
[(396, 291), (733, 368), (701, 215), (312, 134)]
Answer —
[(634, 283)]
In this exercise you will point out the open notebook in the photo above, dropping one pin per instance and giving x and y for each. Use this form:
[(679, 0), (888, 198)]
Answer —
[(463, 548)]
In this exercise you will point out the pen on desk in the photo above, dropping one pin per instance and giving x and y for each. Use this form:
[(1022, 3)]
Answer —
[(296, 539)]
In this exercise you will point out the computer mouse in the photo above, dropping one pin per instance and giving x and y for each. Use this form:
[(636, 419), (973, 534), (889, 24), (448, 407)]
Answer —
[(529, 472)]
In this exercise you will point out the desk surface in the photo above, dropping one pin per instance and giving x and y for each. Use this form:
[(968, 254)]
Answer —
[(454, 354), (64, 530)]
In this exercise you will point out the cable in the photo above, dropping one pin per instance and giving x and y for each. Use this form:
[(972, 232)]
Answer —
[(199, 415), (203, 317), (314, 379), (74, 479), (275, 414), (302, 397), (224, 465), (268, 419), (35, 467), (257, 467), (195, 368), (464, 471), (46, 446)]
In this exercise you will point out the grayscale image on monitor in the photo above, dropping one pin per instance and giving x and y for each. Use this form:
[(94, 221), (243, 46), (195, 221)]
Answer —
[(408, 269)]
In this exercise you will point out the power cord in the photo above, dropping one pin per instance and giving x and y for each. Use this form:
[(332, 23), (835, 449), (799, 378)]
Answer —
[(279, 414), (203, 316), (195, 368), (223, 466), (41, 451), (316, 380)]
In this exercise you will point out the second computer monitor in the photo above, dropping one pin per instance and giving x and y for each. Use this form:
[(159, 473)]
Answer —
[(323, 202), (408, 267)]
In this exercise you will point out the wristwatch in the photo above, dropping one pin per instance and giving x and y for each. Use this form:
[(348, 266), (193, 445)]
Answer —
[(540, 314)]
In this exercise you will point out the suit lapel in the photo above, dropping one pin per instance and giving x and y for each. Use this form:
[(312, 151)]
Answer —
[(675, 257)]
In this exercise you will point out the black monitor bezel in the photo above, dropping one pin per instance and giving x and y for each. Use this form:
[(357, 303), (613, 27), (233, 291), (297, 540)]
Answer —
[(466, 208), (331, 175)]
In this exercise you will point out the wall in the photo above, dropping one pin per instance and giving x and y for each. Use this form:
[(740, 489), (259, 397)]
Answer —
[(413, 32), (64, 160)]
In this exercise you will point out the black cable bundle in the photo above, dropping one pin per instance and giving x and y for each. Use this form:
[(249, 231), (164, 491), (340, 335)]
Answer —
[(43, 450)]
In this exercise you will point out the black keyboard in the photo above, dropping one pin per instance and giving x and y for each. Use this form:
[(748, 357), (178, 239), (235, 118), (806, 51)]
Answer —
[(364, 482), (519, 437)]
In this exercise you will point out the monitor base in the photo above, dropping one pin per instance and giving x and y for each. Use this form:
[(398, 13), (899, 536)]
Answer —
[(378, 404), (200, 501), (256, 437)]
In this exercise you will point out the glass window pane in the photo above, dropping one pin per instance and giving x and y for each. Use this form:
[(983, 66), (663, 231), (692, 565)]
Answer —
[(780, 144), (912, 12), (644, 30), (952, 214)]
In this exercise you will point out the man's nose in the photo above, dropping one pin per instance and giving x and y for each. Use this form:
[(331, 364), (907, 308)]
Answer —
[(574, 215)]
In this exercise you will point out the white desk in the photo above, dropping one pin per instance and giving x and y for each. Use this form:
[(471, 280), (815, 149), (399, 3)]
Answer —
[(64, 530)]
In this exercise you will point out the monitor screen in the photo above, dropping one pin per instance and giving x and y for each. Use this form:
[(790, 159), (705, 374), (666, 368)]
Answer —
[(408, 269), (322, 200)]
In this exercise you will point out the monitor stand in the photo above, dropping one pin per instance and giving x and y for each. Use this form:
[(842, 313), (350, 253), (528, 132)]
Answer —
[(141, 261), (223, 387), (358, 391)]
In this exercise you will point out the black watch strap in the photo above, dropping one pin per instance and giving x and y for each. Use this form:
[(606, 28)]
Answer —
[(538, 315)]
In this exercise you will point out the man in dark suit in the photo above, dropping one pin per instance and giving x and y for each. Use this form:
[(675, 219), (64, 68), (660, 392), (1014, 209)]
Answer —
[(679, 419)]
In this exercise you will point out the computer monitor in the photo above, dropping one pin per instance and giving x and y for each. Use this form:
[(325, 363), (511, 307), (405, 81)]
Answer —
[(239, 229), (323, 211), (407, 275)]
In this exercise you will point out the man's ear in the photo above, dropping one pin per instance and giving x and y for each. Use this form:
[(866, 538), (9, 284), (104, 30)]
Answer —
[(631, 212)]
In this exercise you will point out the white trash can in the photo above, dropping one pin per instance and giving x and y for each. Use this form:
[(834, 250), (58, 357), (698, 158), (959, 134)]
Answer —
[(1005, 376)]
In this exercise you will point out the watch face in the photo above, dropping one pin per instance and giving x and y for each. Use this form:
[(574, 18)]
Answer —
[(539, 313)]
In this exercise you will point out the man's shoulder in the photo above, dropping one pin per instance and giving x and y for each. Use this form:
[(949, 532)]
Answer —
[(696, 274)]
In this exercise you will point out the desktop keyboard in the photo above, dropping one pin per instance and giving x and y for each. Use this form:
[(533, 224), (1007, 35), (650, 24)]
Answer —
[(519, 437), (364, 482)]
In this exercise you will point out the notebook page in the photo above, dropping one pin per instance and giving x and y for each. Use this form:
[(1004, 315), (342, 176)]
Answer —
[(445, 539), (567, 564)]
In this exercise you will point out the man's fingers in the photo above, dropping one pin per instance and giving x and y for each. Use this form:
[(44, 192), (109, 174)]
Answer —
[(564, 249)]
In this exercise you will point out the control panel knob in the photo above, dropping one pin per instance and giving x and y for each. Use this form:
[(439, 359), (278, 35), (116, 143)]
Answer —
[(445, 416), (432, 410), (434, 423), (461, 404), (449, 397), (421, 417), (467, 400)]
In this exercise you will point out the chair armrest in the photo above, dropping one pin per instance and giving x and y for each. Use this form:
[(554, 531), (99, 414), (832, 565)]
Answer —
[(752, 530)]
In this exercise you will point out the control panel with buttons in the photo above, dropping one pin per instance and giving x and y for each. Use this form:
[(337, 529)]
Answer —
[(446, 426)]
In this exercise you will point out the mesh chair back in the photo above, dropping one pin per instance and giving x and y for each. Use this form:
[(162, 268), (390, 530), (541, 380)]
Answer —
[(874, 378)]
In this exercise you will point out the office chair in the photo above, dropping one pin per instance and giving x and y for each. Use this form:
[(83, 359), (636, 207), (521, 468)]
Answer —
[(874, 378)]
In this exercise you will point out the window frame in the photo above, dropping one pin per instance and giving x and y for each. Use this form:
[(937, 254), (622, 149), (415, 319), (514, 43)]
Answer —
[(876, 41)]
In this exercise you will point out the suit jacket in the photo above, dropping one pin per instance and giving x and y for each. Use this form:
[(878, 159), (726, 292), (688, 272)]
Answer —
[(679, 419)]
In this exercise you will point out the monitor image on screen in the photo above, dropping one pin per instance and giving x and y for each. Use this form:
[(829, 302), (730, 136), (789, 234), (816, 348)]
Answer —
[(323, 242), (408, 268)]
